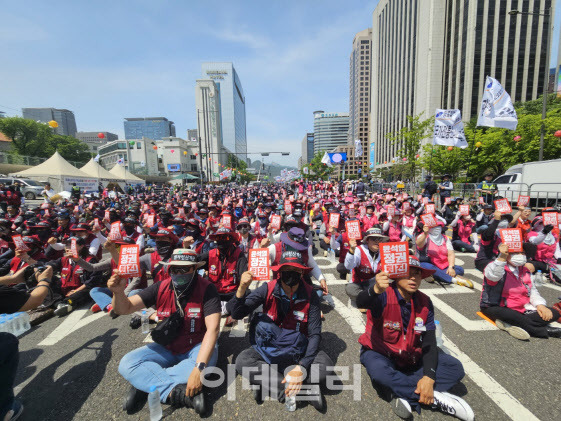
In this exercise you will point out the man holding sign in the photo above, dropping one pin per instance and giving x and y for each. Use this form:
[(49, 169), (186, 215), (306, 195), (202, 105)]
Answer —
[(399, 349)]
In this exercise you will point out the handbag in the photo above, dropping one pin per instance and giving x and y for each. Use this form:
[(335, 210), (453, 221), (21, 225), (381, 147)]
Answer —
[(167, 331)]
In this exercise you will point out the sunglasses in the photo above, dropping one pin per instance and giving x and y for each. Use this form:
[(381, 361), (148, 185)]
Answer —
[(180, 270)]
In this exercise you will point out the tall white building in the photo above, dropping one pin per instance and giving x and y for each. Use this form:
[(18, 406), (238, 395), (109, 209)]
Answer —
[(330, 130), (232, 106), (209, 126)]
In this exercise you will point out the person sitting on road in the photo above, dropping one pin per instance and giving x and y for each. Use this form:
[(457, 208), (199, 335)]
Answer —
[(175, 368), (341, 244), (511, 299), (522, 220), (484, 218), (363, 261), (463, 237), (436, 253), (291, 316), (399, 349), (490, 240), (547, 255)]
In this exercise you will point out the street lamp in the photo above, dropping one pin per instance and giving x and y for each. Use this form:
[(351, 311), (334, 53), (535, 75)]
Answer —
[(546, 78)]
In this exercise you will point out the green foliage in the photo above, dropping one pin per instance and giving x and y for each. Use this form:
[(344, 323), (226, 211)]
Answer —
[(317, 170), (240, 172), (38, 139), (409, 140)]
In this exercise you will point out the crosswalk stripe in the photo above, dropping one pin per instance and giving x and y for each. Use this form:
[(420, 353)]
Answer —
[(71, 323), (460, 319), (351, 315)]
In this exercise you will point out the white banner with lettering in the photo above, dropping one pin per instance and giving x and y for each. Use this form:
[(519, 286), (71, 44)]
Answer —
[(497, 109), (449, 129)]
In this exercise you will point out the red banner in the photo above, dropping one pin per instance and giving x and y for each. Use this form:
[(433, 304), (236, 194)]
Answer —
[(258, 264), (523, 200), (429, 220), (115, 233), (129, 261), (394, 259), (334, 220)]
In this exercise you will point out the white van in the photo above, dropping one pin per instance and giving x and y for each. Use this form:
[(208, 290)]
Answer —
[(541, 180)]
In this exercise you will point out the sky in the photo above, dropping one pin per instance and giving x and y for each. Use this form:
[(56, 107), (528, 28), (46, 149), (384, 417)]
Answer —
[(107, 60)]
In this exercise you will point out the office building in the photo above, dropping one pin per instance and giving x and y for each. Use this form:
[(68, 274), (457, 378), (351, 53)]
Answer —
[(193, 135), (150, 127), (510, 48), (93, 140), (64, 118), (232, 106), (209, 122), (137, 155), (330, 130), (177, 156), (437, 54), (307, 148), (359, 102)]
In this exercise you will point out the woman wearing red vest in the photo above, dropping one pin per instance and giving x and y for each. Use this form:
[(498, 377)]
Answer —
[(291, 316), (399, 348), (511, 299), (464, 237), (175, 369)]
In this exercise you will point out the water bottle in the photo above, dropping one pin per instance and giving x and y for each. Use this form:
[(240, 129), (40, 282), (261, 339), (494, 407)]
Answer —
[(290, 401), (439, 342), (331, 254), (23, 322), (145, 322), (538, 279), (154, 404)]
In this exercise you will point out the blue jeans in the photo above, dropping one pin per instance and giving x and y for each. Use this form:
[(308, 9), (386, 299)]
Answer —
[(383, 372), (440, 274), (102, 296), (482, 228), (155, 365)]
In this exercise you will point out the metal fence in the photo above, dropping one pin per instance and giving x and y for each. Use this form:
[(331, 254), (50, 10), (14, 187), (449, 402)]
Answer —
[(7, 158)]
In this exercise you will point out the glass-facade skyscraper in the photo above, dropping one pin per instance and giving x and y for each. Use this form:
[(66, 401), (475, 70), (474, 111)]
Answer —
[(232, 106), (154, 128), (65, 119)]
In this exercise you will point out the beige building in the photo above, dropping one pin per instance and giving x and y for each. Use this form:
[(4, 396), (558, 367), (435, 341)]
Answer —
[(359, 104), (433, 54)]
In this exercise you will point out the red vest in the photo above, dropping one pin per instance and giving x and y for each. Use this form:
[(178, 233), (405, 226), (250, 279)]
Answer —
[(224, 278), (385, 334), (194, 327), (297, 316), (345, 247), (161, 273), (70, 274), (17, 264), (364, 271)]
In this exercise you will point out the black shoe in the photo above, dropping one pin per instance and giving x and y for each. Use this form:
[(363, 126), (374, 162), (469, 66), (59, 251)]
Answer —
[(63, 309), (198, 403), (177, 397), (554, 332), (135, 322), (317, 400), (258, 394), (135, 401)]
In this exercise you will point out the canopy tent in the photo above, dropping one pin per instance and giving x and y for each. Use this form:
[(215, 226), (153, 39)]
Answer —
[(185, 177), (93, 169), (60, 174), (124, 174)]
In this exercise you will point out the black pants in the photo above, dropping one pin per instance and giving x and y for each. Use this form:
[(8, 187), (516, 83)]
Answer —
[(544, 267), (530, 322), (481, 264), (269, 377), (324, 246), (9, 358), (343, 272)]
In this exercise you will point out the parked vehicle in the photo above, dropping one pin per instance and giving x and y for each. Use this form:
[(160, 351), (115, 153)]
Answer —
[(541, 180), (30, 189)]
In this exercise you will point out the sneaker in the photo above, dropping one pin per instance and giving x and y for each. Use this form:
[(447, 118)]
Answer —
[(514, 331), (111, 312), (554, 332), (95, 308), (463, 282), (453, 405), (63, 309), (14, 413), (401, 408)]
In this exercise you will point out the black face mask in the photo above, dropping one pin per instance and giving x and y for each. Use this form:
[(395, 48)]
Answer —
[(224, 246), (164, 248), (290, 278), (129, 229), (43, 235)]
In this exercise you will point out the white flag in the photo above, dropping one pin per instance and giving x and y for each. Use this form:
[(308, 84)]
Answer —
[(449, 129), (96, 159), (496, 107), (358, 148), (305, 170), (120, 161), (326, 160)]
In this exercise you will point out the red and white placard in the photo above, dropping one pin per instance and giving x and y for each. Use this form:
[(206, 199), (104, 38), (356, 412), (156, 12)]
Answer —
[(258, 264), (334, 220), (429, 220), (276, 222), (115, 232), (394, 259), (523, 200), (353, 230), (129, 260), (464, 210), (551, 218), (430, 208), (503, 206), (512, 237), (18, 242)]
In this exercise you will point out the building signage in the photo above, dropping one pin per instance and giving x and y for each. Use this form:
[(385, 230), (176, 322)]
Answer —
[(216, 74), (174, 167)]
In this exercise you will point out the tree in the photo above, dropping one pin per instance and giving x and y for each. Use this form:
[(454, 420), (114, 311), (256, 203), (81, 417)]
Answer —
[(317, 169), (37, 139), (409, 140)]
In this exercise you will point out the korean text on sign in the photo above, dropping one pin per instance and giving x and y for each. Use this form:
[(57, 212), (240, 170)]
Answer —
[(523, 200), (129, 264), (429, 208), (115, 233), (227, 221), (550, 218), (276, 222), (395, 259), (464, 210), (503, 206), (334, 220), (353, 230), (258, 264), (18, 242), (391, 211), (513, 238), (429, 220)]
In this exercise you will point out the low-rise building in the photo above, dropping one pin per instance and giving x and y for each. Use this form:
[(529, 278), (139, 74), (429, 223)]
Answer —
[(136, 155)]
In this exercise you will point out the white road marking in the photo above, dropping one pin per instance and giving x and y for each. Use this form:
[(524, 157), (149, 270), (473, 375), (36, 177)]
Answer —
[(498, 394), (351, 315), (463, 321), (459, 262), (239, 329), (71, 323)]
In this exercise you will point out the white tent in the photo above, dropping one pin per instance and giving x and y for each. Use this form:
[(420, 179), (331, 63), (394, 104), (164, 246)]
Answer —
[(93, 169), (60, 174), (122, 173)]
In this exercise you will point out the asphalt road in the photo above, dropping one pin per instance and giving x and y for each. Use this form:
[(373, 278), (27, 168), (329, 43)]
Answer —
[(68, 366)]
